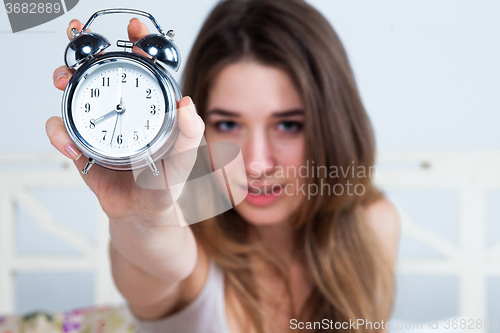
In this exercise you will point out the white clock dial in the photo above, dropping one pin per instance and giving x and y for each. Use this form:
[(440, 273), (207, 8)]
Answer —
[(119, 108)]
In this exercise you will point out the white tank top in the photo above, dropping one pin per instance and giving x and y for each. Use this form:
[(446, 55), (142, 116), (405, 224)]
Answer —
[(205, 314)]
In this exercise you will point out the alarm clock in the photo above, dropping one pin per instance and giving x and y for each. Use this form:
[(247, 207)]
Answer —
[(119, 108)]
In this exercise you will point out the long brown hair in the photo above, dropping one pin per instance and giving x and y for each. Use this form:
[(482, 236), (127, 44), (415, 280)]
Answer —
[(351, 278)]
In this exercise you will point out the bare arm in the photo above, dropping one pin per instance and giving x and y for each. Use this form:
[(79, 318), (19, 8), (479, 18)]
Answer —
[(149, 260), (153, 258), (150, 297)]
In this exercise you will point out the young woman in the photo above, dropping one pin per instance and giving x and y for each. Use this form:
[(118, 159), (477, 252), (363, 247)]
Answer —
[(273, 77)]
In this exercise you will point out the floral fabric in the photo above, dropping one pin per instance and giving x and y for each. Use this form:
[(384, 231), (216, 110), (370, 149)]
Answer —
[(104, 319)]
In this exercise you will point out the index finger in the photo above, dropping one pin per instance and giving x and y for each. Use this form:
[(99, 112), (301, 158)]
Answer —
[(136, 30)]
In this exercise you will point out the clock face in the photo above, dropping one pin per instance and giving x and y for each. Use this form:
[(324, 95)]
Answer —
[(118, 108)]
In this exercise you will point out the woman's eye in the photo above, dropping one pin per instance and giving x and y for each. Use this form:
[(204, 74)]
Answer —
[(225, 126), (289, 126)]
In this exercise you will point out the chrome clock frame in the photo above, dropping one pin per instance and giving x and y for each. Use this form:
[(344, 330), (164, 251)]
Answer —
[(158, 146)]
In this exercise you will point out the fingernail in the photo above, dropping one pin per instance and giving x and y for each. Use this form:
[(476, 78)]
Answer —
[(72, 151), (192, 109), (61, 75), (73, 20)]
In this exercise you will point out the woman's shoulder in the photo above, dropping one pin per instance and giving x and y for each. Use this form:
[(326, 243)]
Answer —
[(382, 216)]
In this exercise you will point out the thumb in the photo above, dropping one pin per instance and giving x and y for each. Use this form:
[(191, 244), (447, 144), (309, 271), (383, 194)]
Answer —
[(191, 126), (182, 157)]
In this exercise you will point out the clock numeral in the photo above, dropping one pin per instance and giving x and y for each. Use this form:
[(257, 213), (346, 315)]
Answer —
[(94, 92), (124, 78), (137, 82), (87, 107), (104, 132), (105, 81), (148, 93), (153, 109), (147, 124), (136, 136), (119, 139), (92, 124)]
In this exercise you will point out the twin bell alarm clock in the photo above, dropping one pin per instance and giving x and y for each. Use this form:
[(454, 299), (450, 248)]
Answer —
[(119, 108)]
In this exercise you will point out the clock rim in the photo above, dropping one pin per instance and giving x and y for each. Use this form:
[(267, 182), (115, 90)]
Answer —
[(155, 148)]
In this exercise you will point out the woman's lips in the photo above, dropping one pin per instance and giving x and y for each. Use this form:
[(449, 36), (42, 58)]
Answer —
[(263, 195)]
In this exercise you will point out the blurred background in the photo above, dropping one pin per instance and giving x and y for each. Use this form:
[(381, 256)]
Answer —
[(429, 76)]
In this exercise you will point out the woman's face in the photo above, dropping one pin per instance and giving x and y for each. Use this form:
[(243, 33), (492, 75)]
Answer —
[(258, 108)]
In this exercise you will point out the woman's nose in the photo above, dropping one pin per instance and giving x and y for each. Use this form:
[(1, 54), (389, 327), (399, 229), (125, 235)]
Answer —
[(258, 155)]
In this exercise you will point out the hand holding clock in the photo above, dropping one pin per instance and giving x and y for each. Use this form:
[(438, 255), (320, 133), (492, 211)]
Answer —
[(118, 194), (147, 260)]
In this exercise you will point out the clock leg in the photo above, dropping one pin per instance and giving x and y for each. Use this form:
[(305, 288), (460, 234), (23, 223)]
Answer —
[(151, 164), (89, 164)]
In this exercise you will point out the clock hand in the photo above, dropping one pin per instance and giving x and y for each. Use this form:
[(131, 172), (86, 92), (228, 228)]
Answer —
[(116, 122), (119, 109), (120, 85), (106, 116), (121, 120)]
